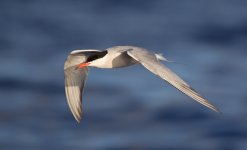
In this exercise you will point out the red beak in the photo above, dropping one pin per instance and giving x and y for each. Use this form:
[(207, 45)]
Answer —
[(82, 65)]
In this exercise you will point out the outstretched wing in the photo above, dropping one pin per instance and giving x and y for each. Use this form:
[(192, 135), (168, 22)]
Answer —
[(75, 80), (149, 61)]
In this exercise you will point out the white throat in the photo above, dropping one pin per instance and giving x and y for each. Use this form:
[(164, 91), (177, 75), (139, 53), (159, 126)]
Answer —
[(103, 62)]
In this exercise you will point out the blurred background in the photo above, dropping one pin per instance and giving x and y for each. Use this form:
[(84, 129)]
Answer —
[(127, 108)]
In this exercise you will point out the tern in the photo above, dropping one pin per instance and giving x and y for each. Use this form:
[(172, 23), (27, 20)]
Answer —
[(78, 61)]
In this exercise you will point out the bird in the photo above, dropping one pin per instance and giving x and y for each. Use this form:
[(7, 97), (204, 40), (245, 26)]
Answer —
[(78, 61)]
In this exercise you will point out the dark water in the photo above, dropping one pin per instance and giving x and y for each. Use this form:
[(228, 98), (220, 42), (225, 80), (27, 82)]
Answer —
[(124, 108)]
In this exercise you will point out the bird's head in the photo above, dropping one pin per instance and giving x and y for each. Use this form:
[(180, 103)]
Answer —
[(92, 60)]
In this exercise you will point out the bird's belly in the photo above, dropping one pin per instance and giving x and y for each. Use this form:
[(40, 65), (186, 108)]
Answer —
[(123, 60)]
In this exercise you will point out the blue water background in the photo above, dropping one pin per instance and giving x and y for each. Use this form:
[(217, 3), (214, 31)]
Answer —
[(127, 108)]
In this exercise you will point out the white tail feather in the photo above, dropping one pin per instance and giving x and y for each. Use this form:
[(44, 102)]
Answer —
[(161, 57)]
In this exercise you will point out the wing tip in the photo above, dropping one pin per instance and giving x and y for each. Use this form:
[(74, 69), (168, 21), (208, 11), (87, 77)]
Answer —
[(77, 117), (216, 109), (78, 120)]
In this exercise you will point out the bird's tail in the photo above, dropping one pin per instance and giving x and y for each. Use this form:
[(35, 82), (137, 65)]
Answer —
[(161, 57)]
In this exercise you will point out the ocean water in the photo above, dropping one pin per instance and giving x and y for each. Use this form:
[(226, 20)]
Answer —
[(127, 108)]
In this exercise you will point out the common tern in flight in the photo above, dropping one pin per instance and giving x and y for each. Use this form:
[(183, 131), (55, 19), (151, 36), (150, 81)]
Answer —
[(78, 61)]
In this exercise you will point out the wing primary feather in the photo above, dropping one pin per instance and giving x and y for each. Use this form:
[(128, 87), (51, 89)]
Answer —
[(74, 94), (149, 61), (75, 80)]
